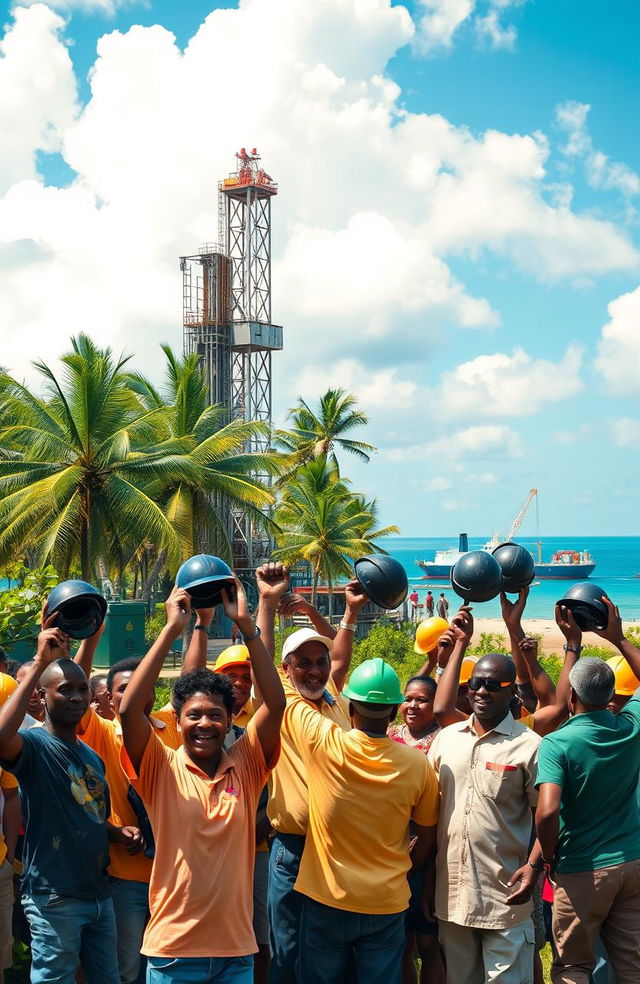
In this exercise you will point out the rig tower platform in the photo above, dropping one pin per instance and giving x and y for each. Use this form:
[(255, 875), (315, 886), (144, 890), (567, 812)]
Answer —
[(227, 319)]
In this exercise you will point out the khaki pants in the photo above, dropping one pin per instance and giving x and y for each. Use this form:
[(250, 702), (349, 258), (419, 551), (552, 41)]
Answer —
[(588, 904), (488, 956)]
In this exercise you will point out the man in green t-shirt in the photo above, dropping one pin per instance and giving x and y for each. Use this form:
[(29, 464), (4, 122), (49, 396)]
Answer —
[(588, 823)]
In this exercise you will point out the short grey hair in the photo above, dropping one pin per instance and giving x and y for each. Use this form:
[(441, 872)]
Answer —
[(593, 682)]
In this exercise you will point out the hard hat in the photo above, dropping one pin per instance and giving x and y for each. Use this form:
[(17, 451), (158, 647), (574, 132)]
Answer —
[(7, 686), (626, 681), (584, 600), (80, 608), (203, 577), (383, 579), (477, 576), (429, 632), (299, 638), (374, 682), (231, 656), (518, 567), (466, 669)]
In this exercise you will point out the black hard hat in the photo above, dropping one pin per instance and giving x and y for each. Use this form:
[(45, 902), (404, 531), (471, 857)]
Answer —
[(584, 599), (518, 567), (383, 579), (81, 608), (204, 577), (477, 576)]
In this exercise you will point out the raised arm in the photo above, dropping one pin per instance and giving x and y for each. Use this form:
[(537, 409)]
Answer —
[(87, 650), (512, 612), (52, 645), (295, 604), (273, 584), (269, 715), (136, 728), (547, 719), (542, 683), (460, 633), (355, 600), (614, 634), (196, 655)]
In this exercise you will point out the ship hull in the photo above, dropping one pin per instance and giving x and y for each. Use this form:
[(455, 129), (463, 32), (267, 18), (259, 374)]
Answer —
[(545, 572)]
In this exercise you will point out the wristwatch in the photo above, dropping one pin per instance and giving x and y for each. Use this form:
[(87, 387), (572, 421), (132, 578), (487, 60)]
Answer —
[(254, 635), (572, 649), (538, 866)]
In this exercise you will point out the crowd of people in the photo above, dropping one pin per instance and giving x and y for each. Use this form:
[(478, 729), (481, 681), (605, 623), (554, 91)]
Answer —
[(298, 823)]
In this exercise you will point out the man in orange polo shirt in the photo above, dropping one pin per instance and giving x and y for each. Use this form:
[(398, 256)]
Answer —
[(201, 802)]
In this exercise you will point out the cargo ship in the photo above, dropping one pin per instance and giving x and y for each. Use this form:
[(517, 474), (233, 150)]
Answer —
[(565, 565)]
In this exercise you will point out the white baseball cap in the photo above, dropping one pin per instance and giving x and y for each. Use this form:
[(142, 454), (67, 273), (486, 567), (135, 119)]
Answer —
[(297, 639)]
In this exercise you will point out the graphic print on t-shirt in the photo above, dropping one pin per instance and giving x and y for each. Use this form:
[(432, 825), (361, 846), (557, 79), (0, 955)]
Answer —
[(88, 790)]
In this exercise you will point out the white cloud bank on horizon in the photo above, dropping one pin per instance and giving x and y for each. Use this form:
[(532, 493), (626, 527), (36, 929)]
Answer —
[(374, 200)]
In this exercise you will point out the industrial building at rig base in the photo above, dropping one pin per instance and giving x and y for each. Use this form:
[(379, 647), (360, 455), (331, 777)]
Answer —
[(226, 308)]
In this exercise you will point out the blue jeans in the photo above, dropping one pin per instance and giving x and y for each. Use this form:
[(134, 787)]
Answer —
[(66, 932), (330, 937), (284, 907), (200, 970), (131, 907)]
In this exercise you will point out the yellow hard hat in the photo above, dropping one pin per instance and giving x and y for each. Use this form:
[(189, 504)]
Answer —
[(7, 686), (429, 632), (626, 681), (231, 656), (466, 670)]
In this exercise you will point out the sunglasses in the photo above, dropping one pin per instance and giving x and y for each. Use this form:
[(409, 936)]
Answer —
[(493, 686)]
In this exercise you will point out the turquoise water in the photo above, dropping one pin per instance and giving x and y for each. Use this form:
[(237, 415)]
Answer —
[(617, 560)]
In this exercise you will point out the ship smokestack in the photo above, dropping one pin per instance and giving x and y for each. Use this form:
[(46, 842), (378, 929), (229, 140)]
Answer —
[(463, 542)]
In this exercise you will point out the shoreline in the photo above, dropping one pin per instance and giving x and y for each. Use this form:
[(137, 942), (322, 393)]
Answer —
[(552, 638)]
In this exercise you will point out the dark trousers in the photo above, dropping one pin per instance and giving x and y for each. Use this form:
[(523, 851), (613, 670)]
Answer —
[(284, 907)]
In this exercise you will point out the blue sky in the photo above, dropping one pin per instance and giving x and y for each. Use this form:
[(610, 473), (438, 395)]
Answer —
[(455, 239)]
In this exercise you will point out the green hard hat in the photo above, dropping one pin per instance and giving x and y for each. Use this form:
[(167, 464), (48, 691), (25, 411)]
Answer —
[(374, 682)]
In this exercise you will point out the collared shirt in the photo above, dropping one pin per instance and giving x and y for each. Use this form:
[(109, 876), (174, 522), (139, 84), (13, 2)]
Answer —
[(363, 791), (288, 807), (487, 791), (201, 891)]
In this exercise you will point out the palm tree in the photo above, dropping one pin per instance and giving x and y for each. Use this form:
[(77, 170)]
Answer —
[(321, 522), (220, 474), (317, 433), (86, 456)]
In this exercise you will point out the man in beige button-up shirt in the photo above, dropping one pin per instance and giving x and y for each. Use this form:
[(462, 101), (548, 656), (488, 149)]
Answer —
[(486, 767)]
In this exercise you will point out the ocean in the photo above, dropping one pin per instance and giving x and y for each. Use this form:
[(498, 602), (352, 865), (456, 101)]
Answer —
[(617, 560)]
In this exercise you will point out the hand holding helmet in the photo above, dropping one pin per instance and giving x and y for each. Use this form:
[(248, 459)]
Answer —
[(53, 644), (512, 611), (236, 606), (273, 583), (178, 609), (613, 630), (568, 625), (462, 625)]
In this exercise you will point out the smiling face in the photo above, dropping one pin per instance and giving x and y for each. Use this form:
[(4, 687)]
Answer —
[(240, 676), (204, 722), (417, 708), (308, 668), (491, 705)]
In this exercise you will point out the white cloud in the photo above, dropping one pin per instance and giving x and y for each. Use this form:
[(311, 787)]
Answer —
[(601, 173), (440, 20), (107, 7), (374, 200), (573, 436), (626, 433), (618, 356), (482, 441), (383, 388), (436, 484), (502, 385)]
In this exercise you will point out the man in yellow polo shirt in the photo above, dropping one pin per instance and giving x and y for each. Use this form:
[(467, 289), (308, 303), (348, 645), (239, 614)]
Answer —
[(364, 789), (315, 664)]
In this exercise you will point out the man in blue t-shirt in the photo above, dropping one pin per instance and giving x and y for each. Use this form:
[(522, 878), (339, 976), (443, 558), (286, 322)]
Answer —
[(588, 822), (65, 803)]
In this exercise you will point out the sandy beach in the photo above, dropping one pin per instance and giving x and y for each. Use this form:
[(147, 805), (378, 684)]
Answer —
[(552, 638)]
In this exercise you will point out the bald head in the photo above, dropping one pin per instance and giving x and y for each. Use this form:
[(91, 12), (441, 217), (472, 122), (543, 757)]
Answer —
[(497, 665), (62, 668)]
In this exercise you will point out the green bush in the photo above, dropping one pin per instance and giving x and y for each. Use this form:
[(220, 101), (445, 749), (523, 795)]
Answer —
[(164, 692), (20, 606), (490, 642), (154, 624)]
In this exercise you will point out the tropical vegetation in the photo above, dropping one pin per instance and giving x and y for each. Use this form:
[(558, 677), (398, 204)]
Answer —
[(106, 476)]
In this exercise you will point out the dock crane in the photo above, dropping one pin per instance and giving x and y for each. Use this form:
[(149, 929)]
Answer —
[(515, 526)]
